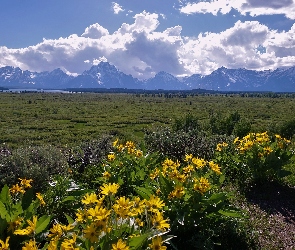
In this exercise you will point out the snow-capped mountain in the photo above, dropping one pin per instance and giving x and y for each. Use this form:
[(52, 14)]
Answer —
[(105, 75), (164, 80)]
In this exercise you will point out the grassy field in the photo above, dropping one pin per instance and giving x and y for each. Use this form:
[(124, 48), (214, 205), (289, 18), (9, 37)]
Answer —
[(65, 120), (38, 118)]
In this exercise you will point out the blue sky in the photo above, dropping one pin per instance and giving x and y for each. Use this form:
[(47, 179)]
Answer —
[(143, 37)]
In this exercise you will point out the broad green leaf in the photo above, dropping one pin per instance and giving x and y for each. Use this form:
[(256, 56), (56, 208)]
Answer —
[(42, 223), (4, 195), (69, 219), (27, 198), (218, 197), (69, 198), (230, 213), (143, 192), (137, 242), (3, 211)]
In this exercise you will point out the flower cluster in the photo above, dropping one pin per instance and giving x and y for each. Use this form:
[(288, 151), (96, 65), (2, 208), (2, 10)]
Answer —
[(115, 220), (128, 147), (21, 187), (261, 140), (183, 175)]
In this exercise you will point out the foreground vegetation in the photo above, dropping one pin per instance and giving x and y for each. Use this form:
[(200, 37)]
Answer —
[(180, 175)]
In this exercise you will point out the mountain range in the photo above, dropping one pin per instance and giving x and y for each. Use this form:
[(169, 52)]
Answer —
[(105, 75)]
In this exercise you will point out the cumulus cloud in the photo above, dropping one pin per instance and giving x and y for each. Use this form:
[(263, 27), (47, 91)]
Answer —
[(252, 7), (117, 8), (95, 31), (142, 51)]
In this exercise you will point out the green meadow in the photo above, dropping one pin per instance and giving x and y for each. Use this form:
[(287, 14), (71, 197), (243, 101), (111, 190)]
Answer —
[(59, 119), (147, 171)]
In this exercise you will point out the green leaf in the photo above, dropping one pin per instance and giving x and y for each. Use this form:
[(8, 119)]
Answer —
[(69, 218), (42, 223), (143, 192), (69, 198), (27, 198), (216, 197), (221, 178), (3, 211), (4, 195), (230, 213), (137, 242)]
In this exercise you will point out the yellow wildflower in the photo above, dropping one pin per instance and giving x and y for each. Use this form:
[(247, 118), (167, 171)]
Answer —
[(111, 157), (138, 153), (56, 231), (40, 198), (89, 199), (267, 150), (139, 222), (122, 207), (178, 192), (82, 215), (25, 183), (188, 157), (69, 244), (115, 143), (106, 175), (16, 189), (109, 189), (120, 245), (138, 206), (154, 203), (4, 245), (157, 244), (52, 245), (159, 222), (29, 229), (91, 233), (202, 185), (31, 245), (214, 167), (98, 213), (200, 163), (13, 225), (154, 174), (188, 169)]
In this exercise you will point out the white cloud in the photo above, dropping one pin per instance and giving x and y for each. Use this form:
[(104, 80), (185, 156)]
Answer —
[(139, 49), (117, 8), (95, 31), (253, 7)]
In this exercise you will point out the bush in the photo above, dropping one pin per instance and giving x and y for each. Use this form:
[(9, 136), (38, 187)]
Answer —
[(233, 124), (39, 163), (256, 157), (179, 143), (84, 159), (287, 130)]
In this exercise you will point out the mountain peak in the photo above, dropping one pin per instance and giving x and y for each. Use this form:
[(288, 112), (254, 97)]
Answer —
[(108, 76)]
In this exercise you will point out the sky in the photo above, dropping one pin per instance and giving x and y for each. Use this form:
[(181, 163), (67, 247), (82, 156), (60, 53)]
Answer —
[(144, 37)]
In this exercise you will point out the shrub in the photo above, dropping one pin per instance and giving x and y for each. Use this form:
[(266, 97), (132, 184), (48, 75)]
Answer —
[(84, 160), (38, 163), (254, 158), (176, 144), (233, 124), (188, 123), (287, 130)]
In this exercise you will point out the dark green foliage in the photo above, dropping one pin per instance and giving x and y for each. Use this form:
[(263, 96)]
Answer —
[(39, 163), (188, 123), (179, 143), (287, 130), (233, 124), (83, 159)]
